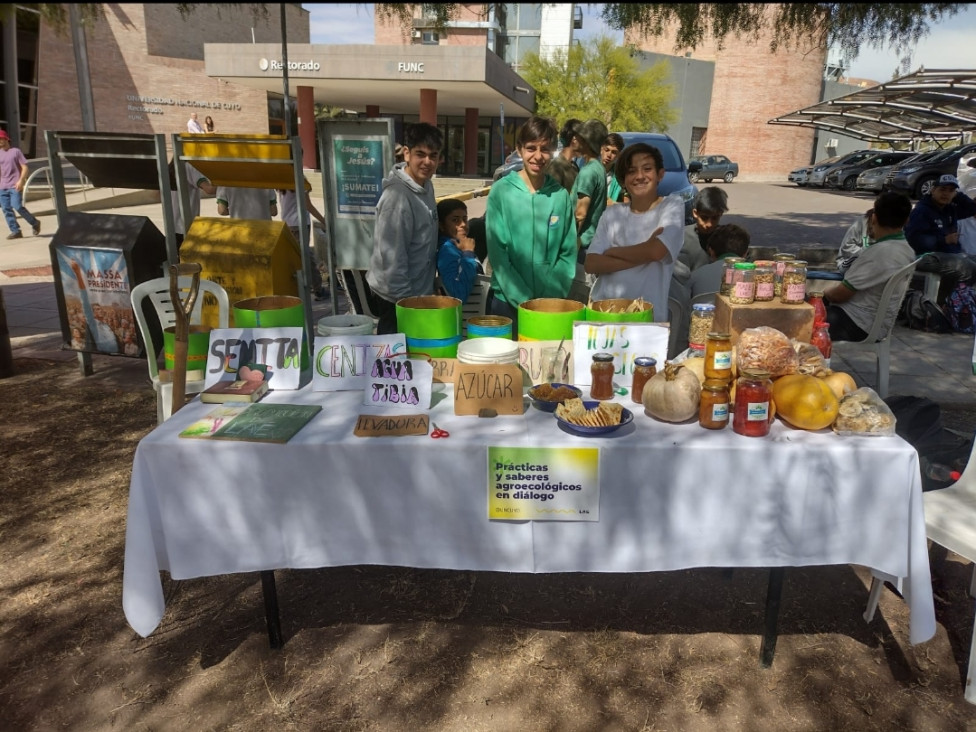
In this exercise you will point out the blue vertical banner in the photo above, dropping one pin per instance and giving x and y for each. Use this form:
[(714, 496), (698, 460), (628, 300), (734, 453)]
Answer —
[(96, 296), (359, 167)]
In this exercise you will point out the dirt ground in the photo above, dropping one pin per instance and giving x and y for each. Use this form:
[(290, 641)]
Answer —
[(370, 648)]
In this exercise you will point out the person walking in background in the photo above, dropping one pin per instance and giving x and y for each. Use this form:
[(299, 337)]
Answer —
[(589, 193), (196, 182), (530, 227), (635, 245), (193, 124), (562, 167), (608, 156), (208, 123), (403, 263), (259, 204), (13, 176), (457, 263)]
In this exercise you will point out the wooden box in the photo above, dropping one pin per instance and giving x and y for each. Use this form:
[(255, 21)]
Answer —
[(795, 321)]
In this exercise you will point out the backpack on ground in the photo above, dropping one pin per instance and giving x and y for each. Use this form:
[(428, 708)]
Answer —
[(921, 313), (960, 308), (918, 421)]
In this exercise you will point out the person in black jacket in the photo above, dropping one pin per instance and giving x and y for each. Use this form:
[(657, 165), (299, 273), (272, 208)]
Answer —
[(933, 228)]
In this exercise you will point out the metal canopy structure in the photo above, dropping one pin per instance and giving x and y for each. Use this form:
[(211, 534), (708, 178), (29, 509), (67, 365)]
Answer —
[(936, 105)]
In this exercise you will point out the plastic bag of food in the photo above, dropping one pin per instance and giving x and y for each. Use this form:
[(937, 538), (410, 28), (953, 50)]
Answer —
[(766, 348), (863, 412), (810, 360)]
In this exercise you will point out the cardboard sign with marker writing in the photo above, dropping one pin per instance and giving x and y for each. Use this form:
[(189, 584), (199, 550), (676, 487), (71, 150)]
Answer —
[(443, 370), (546, 361), (397, 425), (495, 386)]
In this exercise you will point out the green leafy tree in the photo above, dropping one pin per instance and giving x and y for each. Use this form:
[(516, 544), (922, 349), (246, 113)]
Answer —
[(601, 80)]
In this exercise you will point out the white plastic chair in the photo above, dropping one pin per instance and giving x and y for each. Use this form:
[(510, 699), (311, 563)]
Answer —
[(950, 521), (878, 340), (157, 291), (477, 302), (355, 280)]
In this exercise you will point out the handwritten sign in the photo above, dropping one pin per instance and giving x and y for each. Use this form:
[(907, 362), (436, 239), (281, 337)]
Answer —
[(443, 370), (280, 349), (374, 425), (544, 483), (546, 361), (496, 386), (626, 341), (399, 383), (343, 363)]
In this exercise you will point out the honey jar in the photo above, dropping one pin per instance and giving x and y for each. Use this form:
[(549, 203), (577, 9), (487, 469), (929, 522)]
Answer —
[(713, 409), (718, 356), (601, 373)]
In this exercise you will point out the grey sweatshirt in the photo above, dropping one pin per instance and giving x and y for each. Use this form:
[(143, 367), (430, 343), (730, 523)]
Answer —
[(404, 257)]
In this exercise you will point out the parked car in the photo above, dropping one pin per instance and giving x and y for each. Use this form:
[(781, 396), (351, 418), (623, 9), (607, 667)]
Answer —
[(711, 167), (845, 176), (512, 162), (800, 176), (676, 172), (873, 179), (820, 170), (966, 173), (917, 177)]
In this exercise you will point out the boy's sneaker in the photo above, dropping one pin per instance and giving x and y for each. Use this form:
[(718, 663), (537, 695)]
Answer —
[(15, 235), (37, 228)]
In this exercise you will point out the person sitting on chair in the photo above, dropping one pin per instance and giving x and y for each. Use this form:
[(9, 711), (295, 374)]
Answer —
[(457, 263), (724, 241), (853, 303)]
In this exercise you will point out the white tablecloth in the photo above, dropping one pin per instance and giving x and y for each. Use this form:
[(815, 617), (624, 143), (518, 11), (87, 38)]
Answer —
[(671, 497)]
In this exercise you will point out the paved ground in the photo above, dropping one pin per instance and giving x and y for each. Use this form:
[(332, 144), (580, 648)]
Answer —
[(780, 216)]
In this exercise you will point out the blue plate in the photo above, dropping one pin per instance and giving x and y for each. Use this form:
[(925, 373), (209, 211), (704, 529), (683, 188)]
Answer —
[(550, 406), (626, 417)]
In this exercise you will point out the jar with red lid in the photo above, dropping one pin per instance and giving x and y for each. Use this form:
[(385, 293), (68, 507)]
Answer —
[(753, 392), (601, 373)]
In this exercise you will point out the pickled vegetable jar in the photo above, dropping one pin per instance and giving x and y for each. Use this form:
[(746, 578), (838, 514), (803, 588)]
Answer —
[(718, 356), (753, 391), (713, 409), (644, 368)]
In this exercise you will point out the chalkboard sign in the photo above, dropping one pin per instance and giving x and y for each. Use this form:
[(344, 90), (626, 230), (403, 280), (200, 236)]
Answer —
[(268, 422)]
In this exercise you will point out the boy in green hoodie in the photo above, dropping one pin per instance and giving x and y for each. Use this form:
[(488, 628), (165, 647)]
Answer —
[(530, 227)]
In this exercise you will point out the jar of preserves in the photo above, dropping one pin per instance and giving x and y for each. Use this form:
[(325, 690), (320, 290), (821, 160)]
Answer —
[(644, 368), (601, 373), (794, 289), (780, 260), (765, 280), (718, 356), (728, 267), (819, 309), (821, 339), (743, 284), (750, 416), (702, 316), (713, 409)]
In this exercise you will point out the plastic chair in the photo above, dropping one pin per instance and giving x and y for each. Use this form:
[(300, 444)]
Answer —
[(704, 297), (878, 340), (950, 521), (358, 291), (157, 292), (477, 302)]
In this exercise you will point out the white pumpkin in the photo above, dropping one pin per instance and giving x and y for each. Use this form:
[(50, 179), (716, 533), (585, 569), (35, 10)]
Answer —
[(672, 395)]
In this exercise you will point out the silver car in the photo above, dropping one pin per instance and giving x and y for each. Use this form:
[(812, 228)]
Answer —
[(873, 179), (799, 176)]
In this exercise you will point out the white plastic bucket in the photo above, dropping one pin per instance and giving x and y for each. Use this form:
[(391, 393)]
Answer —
[(488, 350), (348, 324)]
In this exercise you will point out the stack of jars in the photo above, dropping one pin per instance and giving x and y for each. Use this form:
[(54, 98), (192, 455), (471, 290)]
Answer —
[(753, 392)]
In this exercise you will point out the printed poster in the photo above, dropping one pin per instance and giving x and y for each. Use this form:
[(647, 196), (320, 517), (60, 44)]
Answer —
[(358, 165), (544, 483), (96, 290)]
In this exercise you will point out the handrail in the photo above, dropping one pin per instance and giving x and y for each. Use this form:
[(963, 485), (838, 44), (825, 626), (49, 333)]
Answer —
[(46, 170)]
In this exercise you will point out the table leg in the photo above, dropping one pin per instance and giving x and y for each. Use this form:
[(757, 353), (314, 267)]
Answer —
[(271, 608), (773, 595)]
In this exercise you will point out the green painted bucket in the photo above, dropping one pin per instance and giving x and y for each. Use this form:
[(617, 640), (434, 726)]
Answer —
[(489, 326), (273, 311), (548, 319), (198, 343), (431, 324), (615, 311)]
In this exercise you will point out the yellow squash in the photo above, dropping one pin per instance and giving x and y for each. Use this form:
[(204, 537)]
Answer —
[(805, 401)]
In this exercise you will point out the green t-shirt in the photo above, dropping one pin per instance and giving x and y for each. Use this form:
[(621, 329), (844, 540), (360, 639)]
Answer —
[(592, 182)]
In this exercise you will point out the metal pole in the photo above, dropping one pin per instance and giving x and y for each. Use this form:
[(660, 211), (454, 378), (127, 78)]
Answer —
[(172, 253), (284, 71), (82, 68)]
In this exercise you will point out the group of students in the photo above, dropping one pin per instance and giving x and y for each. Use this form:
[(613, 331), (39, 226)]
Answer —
[(558, 212)]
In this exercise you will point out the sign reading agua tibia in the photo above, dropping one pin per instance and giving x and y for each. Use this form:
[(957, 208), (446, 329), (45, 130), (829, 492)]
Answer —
[(544, 483)]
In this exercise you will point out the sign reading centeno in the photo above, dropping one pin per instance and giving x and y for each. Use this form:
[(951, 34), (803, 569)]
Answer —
[(276, 65)]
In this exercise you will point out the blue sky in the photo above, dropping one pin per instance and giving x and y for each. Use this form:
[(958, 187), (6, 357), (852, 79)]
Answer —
[(946, 46)]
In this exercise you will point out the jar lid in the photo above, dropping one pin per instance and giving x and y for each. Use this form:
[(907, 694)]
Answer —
[(754, 373), (784, 257), (744, 265), (601, 357), (716, 336), (798, 263), (715, 385), (703, 306), (815, 293), (645, 361), (733, 260), (765, 263)]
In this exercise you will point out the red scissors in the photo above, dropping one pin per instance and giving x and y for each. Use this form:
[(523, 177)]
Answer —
[(438, 432)]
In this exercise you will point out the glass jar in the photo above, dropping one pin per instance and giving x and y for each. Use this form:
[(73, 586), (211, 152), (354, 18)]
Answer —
[(713, 409), (718, 356), (765, 280), (794, 289), (728, 268), (702, 316), (819, 309), (750, 416), (601, 372), (821, 339), (780, 260), (743, 284), (644, 368)]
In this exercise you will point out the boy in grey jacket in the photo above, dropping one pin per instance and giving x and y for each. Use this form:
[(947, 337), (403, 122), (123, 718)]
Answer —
[(404, 259)]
